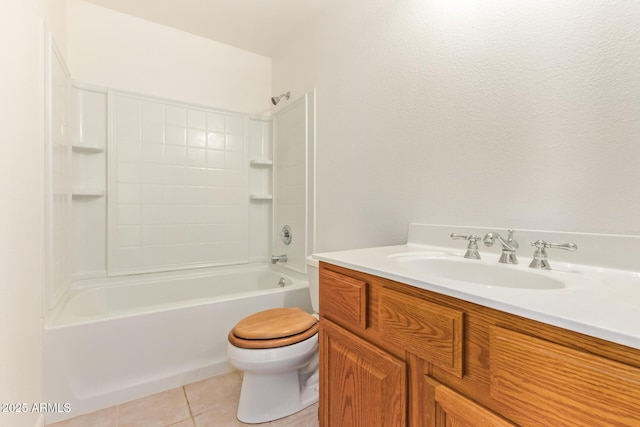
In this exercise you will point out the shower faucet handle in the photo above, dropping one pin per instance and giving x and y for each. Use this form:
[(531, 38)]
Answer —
[(472, 249)]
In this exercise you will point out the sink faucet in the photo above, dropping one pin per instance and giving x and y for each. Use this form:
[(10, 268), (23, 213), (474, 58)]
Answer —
[(509, 246), (540, 260), (278, 258)]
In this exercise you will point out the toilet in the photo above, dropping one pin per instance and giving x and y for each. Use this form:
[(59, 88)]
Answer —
[(277, 350)]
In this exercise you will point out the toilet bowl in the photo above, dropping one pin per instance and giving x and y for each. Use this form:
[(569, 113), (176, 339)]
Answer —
[(277, 350)]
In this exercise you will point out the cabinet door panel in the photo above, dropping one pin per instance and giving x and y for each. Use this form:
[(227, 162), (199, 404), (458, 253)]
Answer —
[(451, 409), (343, 298), (361, 384), (552, 385), (430, 331)]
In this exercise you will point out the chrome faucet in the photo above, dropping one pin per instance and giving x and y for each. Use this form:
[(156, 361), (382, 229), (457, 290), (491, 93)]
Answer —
[(509, 246), (472, 248), (540, 260), (278, 258)]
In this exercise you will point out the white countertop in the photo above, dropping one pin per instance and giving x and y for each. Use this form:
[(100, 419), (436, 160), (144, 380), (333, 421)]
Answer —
[(596, 301)]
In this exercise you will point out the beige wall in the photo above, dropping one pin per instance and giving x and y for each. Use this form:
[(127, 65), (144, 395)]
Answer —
[(21, 203), (120, 51), (493, 113), (54, 13)]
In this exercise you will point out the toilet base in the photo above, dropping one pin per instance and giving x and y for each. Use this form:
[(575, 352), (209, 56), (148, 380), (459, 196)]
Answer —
[(267, 397)]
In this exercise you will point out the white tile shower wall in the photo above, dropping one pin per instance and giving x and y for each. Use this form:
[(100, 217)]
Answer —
[(290, 182), (177, 186), (260, 182)]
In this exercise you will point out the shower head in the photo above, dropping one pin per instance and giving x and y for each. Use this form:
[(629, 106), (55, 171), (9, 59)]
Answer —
[(277, 99)]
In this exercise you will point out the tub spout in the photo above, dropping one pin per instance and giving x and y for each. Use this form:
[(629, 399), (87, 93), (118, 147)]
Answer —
[(278, 258)]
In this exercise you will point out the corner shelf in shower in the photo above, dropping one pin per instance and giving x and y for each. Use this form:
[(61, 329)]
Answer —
[(261, 197), (87, 193), (82, 147), (261, 163)]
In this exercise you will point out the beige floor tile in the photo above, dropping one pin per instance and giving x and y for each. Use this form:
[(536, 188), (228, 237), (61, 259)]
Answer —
[(308, 417), (103, 418), (158, 410), (213, 402), (185, 423), (216, 393), (221, 417)]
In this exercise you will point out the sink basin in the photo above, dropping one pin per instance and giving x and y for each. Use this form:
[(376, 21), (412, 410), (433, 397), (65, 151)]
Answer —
[(474, 272)]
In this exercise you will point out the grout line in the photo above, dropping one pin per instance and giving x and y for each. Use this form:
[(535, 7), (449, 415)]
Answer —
[(184, 391)]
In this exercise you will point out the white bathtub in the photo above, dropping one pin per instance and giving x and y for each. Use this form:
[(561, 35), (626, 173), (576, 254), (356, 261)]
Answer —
[(116, 339)]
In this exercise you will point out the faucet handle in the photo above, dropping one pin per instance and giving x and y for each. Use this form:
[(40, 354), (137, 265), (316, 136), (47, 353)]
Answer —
[(510, 238), (540, 260), (542, 245), (472, 249)]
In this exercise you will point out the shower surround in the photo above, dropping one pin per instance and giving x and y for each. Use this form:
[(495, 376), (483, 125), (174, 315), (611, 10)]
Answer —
[(172, 190)]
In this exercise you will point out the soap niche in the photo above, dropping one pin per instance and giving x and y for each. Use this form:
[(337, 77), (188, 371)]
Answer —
[(88, 146)]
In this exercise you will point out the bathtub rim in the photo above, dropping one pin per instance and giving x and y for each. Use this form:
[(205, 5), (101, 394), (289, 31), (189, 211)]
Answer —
[(53, 319)]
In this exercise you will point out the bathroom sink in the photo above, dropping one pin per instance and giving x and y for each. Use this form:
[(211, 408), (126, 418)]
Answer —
[(474, 272)]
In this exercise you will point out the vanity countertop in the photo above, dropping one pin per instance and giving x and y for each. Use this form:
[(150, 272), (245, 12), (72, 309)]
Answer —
[(596, 301)]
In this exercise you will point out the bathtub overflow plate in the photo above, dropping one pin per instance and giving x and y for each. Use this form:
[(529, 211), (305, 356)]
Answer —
[(285, 235)]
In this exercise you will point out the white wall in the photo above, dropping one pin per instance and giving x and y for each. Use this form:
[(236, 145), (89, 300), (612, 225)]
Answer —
[(120, 51), (493, 113), (54, 13), (21, 210)]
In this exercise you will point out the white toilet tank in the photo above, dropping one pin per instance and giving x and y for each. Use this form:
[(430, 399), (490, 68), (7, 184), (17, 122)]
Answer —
[(313, 273)]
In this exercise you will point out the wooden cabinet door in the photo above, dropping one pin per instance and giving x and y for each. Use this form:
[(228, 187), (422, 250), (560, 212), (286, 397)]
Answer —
[(360, 385), (447, 408), (547, 384)]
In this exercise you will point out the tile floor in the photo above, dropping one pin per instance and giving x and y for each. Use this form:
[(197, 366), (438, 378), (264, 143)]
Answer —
[(209, 403)]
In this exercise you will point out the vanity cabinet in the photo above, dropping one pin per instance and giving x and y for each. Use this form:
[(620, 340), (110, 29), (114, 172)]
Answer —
[(392, 354)]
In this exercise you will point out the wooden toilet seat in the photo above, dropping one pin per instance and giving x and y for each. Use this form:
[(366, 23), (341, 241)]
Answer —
[(274, 328)]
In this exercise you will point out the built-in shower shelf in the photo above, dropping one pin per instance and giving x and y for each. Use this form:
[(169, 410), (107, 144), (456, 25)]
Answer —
[(261, 197), (82, 147), (87, 192), (261, 163)]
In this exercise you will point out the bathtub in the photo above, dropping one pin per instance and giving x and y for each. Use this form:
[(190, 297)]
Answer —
[(112, 340)]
